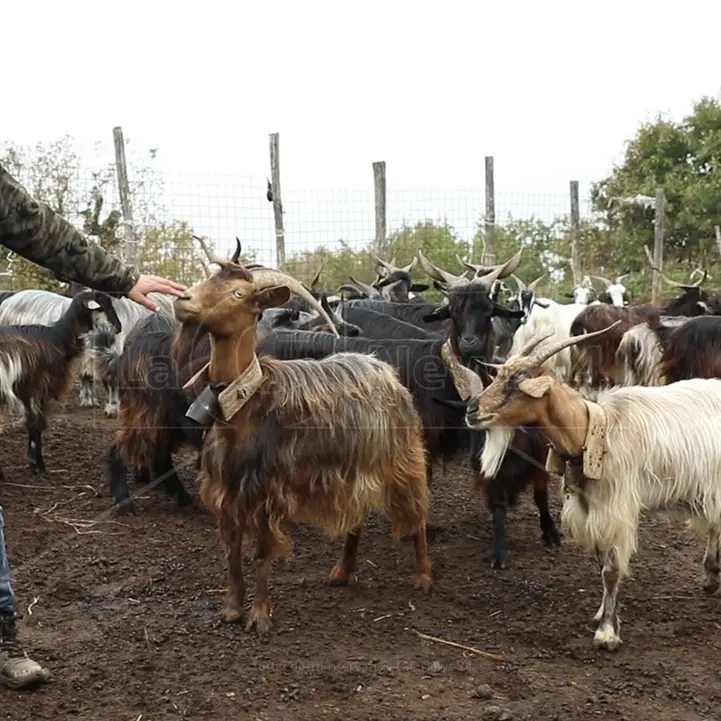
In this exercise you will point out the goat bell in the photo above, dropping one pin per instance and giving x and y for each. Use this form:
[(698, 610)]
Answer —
[(205, 409)]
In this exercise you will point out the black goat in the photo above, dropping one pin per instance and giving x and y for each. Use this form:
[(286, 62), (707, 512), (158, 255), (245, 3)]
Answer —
[(37, 362)]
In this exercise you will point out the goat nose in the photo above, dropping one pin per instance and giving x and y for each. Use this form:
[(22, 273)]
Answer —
[(472, 406)]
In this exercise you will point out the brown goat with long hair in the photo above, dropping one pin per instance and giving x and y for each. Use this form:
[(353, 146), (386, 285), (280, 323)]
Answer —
[(596, 365), (303, 441)]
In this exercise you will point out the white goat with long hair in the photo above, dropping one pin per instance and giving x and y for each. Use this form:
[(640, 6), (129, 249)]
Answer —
[(634, 450)]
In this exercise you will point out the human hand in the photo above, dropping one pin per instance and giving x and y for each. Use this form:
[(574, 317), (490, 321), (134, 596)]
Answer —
[(153, 284)]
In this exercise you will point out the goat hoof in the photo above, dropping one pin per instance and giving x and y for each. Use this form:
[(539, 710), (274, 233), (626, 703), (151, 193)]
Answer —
[(260, 619), (339, 576), (498, 564), (232, 614), (552, 539), (606, 638), (125, 508), (711, 585), (424, 582)]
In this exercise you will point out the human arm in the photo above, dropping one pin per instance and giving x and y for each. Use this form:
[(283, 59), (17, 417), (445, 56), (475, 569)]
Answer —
[(37, 233)]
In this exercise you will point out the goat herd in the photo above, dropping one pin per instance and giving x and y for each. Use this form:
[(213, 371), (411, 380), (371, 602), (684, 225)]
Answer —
[(322, 408)]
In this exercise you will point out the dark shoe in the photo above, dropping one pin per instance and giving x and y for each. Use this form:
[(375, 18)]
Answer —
[(17, 670)]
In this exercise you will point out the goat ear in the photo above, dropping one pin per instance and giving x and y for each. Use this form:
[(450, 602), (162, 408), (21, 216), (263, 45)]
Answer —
[(272, 297), (536, 387), (419, 287), (93, 305), (503, 312), (441, 313)]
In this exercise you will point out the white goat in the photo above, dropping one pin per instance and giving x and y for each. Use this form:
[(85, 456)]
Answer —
[(616, 291), (634, 450), (556, 316)]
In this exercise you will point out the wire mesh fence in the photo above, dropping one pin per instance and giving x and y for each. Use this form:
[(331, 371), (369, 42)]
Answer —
[(169, 207)]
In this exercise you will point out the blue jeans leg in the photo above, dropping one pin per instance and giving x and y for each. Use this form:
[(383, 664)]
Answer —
[(7, 596)]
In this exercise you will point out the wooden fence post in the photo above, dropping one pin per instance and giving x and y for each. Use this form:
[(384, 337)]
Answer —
[(658, 230), (130, 238), (277, 201), (379, 188), (489, 256), (575, 239)]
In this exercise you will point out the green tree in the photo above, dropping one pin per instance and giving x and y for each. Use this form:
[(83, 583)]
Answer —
[(54, 174), (684, 159)]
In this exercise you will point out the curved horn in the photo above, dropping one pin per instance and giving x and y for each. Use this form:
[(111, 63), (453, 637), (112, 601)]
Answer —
[(369, 290), (544, 335), (316, 278), (382, 263), (603, 280), (685, 286), (478, 270), (236, 255), (521, 285), (501, 271), (541, 355), (438, 274), (621, 278), (268, 277), (532, 286), (410, 266)]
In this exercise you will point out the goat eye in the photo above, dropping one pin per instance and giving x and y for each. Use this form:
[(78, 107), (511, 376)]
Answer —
[(238, 293)]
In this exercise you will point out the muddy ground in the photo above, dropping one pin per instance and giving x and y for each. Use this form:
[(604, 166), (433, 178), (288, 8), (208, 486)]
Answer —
[(125, 612)]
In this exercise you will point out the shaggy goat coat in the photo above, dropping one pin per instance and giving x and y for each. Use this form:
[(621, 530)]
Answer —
[(321, 442), (662, 454)]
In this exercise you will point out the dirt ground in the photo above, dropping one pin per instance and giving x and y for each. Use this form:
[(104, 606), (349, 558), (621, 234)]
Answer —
[(125, 613)]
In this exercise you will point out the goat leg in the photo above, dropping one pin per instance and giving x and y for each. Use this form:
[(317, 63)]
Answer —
[(35, 427), (341, 573), (711, 565), (607, 632), (549, 531), (498, 502), (119, 482), (423, 563), (233, 610), (164, 470), (259, 616)]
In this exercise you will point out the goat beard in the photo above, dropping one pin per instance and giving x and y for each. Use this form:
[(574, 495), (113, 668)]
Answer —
[(498, 441)]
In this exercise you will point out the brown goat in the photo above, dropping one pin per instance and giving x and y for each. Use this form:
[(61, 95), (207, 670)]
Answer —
[(304, 441), (596, 365)]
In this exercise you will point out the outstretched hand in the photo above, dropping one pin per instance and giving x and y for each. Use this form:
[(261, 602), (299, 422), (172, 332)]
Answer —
[(153, 284)]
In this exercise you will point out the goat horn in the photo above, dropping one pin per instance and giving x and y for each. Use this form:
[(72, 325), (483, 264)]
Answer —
[(545, 335), (438, 274), (268, 277), (369, 290), (382, 263), (532, 286), (603, 280), (621, 278), (477, 269), (410, 266), (212, 257), (316, 278), (501, 271), (521, 285), (236, 255), (676, 284), (541, 355)]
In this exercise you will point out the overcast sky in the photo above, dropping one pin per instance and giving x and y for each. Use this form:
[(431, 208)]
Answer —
[(551, 89)]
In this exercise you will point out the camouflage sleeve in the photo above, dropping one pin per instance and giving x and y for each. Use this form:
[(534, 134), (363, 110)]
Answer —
[(37, 233)]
